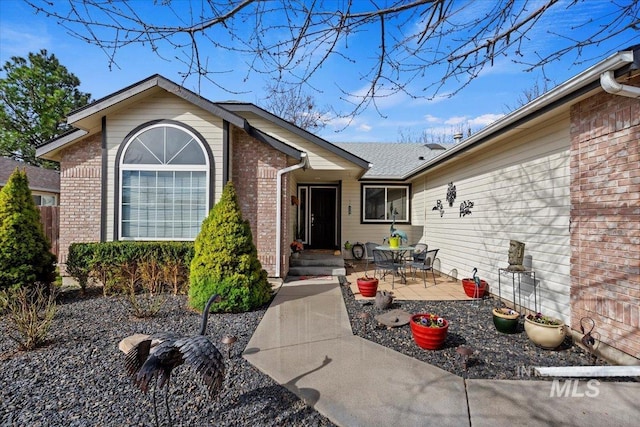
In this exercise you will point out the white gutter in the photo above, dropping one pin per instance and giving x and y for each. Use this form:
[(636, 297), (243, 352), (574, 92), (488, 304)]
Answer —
[(611, 85), (590, 75), (303, 164)]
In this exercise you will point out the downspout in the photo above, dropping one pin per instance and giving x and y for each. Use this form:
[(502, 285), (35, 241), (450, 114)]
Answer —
[(304, 163), (611, 85)]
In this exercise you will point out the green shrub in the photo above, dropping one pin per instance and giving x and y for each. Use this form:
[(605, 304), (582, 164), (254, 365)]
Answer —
[(79, 263), (226, 260), (25, 252), (125, 266)]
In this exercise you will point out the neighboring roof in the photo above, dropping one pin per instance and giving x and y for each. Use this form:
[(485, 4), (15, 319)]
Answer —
[(391, 161), (238, 106), (40, 179), (579, 85)]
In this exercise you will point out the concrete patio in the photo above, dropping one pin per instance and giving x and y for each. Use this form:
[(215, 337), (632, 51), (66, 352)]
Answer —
[(305, 343)]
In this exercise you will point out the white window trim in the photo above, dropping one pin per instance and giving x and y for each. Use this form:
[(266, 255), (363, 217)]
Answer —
[(168, 168)]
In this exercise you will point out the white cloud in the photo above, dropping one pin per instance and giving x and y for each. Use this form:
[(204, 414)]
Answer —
[(456, 120), (484, 120), (17, 41), (364, 127), (432, 119)]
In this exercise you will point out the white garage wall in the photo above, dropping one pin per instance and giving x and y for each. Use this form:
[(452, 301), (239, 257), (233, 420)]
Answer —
[(520, 191)]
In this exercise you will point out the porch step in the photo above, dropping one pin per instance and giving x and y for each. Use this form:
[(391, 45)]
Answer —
[(317, 271), (309, 263)]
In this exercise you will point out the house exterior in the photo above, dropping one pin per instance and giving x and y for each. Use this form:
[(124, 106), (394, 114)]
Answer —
[(43, 183), (561, 174)]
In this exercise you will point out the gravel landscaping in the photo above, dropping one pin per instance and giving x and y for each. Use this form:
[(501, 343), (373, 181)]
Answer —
[(495, 355), (78, 379)]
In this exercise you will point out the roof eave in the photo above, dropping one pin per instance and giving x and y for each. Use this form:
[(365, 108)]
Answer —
[(560, 94), (58, 143), (252, 108)]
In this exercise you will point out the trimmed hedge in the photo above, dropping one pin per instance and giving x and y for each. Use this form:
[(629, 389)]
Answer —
[(111, 263)]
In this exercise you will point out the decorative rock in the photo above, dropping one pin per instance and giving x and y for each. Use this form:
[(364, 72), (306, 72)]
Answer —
[(384, 299), (131, 341), (394, 318)]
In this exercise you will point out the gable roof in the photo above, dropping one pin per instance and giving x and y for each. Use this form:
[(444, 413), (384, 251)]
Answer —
[(237, 106), (392, 161), (40, 179), (88, 118)]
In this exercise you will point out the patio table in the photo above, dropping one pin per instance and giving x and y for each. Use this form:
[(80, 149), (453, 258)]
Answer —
[(398, 255)]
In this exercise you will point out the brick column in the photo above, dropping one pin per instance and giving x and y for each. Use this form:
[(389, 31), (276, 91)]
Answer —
[(80, 194), (605, 218), (254, 168)]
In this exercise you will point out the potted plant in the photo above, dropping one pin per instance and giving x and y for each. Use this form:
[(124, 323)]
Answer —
[(395, 236), (474, 287), (429, 330), (368, 286), (506, 320), (296, 247), (545, 332)]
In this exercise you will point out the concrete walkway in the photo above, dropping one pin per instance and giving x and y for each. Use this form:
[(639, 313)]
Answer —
[(305, 343)]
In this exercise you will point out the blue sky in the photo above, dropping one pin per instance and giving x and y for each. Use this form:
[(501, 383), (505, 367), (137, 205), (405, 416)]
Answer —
[(483, 101)]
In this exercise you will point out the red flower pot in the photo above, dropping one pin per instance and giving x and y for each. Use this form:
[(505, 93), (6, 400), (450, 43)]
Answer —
[(427, 337), (367, 286), (469, 286)]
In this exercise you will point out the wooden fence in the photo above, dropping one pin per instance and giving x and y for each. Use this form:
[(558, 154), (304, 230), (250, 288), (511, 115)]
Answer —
[(50, 218)]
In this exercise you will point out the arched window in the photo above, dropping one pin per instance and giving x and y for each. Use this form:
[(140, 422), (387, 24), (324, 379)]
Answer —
[(164, 184)]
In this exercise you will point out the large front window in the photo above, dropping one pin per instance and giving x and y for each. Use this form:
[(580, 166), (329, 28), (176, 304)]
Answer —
[(164, 176), (381, 203)]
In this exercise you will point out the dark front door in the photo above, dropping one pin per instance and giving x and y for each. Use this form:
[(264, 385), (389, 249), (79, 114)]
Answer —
[(323, 219)]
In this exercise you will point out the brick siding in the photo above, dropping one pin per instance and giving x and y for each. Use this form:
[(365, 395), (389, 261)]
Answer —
[(254, 168), (80, 177), (605, 218)]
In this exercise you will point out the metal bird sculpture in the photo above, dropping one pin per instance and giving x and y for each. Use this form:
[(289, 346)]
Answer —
[(393, 231), (476, 278), (157, 356)]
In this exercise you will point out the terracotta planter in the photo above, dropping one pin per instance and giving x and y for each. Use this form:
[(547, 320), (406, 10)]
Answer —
[(469, 286), (367, 286), (427, 337), (505, 322), (545, 336)]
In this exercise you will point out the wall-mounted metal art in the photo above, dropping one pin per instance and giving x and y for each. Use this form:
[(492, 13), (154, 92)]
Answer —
[(465, 208), (439, 207), (451, 194)]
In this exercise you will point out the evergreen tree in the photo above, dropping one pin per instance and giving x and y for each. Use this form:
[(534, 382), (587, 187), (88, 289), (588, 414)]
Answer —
[(25, 256), (226, 260), (36, 95)]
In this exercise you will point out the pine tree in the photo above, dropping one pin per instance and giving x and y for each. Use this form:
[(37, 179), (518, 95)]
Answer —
[(226, 260), (25, 256)]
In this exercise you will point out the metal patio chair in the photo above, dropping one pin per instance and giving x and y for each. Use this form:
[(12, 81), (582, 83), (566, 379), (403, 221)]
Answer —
[(369, 247), (419, 252), (385, 262), (425, 265)]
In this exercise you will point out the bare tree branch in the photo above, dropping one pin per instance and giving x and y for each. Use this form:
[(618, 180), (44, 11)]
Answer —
[(427, 47)]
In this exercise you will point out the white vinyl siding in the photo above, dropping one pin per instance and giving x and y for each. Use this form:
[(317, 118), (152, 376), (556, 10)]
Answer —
[(320, 158), (520, 191), (354, 230)]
